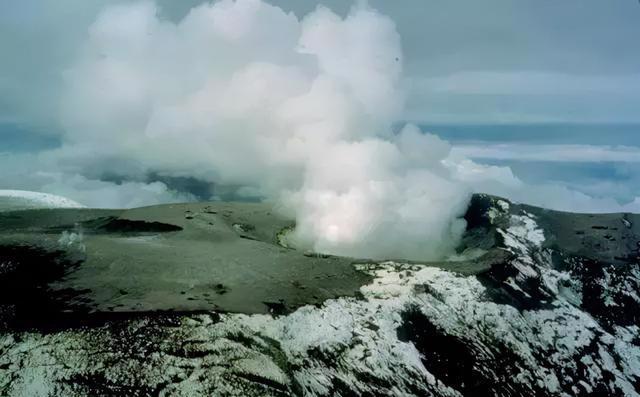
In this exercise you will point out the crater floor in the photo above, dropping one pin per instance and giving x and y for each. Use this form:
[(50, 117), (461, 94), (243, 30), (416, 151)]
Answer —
[(183, 257)]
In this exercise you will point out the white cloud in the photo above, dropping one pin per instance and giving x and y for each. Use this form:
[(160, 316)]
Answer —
[(500, 181), (550, 152), (45, 172), (243, 93)]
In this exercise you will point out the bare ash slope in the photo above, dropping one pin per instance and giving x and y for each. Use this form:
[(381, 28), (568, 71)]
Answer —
[(551, 308), (179, 257)]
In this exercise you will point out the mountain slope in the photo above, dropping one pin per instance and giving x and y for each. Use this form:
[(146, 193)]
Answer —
[(555, 313)]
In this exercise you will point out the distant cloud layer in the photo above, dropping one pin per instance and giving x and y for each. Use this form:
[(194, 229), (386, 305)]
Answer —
[(554, 153)]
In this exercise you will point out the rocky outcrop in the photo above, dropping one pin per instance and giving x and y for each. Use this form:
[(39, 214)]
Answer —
[(555, 313)]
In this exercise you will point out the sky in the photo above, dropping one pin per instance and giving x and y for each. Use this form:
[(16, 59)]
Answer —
[(546, 91), (495, 61)]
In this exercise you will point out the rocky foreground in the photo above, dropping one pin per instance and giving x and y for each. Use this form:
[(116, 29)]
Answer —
[(540, 303)]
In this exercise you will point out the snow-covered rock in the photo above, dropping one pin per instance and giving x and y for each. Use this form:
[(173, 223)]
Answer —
[(12, 200), (550, 320)]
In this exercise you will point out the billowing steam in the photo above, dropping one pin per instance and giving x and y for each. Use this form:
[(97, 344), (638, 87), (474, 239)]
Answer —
[(298, 111)]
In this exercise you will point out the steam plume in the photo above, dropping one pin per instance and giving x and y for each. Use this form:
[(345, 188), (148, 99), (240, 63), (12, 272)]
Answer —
[(300, 111)]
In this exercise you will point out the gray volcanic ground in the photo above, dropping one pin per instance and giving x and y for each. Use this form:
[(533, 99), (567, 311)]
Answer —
[(221, 256), (180, 257), (208, 299)]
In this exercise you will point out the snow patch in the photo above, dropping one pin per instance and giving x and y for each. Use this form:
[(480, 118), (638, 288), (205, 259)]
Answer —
[(11, 200)]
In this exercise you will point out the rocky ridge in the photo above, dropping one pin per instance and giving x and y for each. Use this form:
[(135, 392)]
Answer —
[(557, 315)]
